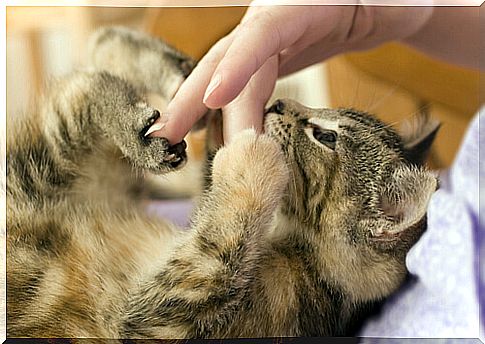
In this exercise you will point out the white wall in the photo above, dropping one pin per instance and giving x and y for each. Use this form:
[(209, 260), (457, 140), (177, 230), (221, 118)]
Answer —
[(308, 86)]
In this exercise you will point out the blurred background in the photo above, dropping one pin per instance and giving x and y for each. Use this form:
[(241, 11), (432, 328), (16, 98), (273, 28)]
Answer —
[(393, 81)]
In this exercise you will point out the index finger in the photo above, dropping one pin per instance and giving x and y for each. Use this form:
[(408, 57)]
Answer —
[(187, 107)]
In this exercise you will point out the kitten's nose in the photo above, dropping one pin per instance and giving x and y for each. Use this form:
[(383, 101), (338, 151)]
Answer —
[(277, 107)]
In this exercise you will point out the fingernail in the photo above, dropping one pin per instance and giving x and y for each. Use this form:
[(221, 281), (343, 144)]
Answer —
[(159, 124), (215, 82)]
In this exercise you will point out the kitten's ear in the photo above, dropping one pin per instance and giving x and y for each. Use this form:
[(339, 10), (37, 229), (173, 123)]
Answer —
[(418, 138), (404, 202)]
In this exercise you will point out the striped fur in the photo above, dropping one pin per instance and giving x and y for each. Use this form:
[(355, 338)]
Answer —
[(288, 239)]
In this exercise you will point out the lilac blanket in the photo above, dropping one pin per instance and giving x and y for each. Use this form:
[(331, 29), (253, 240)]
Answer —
[(442, 298)]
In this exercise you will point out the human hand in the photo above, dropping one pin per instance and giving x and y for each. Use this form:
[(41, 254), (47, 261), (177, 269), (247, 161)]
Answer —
[(292, 37), (247, 109)]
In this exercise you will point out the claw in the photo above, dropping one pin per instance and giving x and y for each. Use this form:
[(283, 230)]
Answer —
[(155, 127), (169, 157)]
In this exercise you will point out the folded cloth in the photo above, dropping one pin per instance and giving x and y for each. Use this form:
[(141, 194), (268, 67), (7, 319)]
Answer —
[(445, 295)]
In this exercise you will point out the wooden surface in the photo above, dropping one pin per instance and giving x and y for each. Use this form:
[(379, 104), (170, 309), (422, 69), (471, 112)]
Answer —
[(427, 78), (193, 29)]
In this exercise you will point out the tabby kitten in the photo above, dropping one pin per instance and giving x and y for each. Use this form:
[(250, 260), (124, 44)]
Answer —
[(299, 231)]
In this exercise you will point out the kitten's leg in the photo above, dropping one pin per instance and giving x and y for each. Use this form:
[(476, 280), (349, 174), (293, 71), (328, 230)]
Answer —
[(205, 286), (84, 114), (146, 62)]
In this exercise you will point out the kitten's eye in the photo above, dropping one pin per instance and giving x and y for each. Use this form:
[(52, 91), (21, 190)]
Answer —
[(325, 136)]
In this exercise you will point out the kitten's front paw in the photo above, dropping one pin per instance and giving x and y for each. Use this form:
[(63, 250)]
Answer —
[(252, 164), (151, 153)]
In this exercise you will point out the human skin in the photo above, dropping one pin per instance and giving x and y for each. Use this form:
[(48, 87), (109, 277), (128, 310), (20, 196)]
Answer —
[(239, 72)]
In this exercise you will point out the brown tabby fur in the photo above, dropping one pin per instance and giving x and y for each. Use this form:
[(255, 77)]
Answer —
[(291, 237)]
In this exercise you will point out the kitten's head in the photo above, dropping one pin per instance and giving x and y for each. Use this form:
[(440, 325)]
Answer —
[(357, 188)]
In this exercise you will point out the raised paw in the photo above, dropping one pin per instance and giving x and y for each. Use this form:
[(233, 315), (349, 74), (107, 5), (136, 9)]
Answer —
[(253, 164), (146, 152)]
